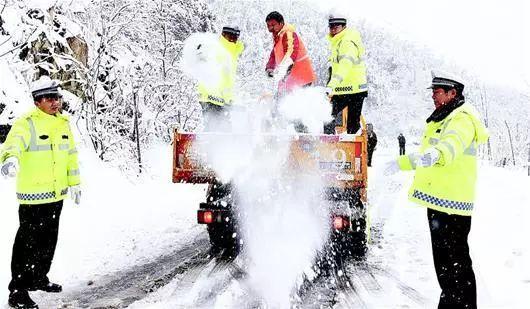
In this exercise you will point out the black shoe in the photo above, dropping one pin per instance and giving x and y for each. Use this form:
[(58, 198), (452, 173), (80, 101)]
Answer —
[(49, 287), (21, 300)]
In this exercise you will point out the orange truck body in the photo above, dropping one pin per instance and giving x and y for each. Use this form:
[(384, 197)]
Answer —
[(341, 159)]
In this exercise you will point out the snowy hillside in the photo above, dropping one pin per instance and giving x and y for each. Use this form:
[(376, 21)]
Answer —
[(134, 50)]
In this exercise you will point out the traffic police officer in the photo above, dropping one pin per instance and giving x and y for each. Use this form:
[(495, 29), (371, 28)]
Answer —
[(214, 99), (347, 86), (41, 152), (444, 182)]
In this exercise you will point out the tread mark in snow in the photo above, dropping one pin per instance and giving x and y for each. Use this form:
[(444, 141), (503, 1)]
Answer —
[(121, 289)]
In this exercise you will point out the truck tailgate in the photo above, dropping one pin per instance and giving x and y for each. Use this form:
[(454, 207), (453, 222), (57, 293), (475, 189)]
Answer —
[(339, 159)]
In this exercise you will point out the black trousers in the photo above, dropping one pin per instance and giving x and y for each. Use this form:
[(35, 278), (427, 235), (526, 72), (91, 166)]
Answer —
[(354, 102), (401, 150), (34, 245), (370, 153), (451, 259), (216, 117)]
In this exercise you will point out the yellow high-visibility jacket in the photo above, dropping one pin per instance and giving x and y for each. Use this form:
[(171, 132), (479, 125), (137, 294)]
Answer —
[(46, 152), (348, 70), (222, 93), (449, 185)]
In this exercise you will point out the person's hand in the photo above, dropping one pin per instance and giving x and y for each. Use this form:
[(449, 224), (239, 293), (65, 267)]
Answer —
[(269, 72), (283, 68), (75, 194), (391, 168), (328, 91), (428, 158), (10, 167)]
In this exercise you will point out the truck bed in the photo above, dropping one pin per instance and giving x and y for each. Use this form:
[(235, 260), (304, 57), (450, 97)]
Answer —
[(340, 159)]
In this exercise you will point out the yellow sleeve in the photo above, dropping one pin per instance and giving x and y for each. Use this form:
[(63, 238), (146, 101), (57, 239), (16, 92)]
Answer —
[(73, 163), (17, 140), (407, 162)]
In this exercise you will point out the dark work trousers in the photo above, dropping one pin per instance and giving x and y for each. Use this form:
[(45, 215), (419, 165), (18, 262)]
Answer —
[(451, 259), (34, 245), (354, 102), (401, 150), (370, 153), (216, 118)]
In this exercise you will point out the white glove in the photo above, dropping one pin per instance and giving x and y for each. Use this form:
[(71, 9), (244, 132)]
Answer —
[(281, 69), (75, 194), (429, 157), (10, 167), (391, 168), (328, 91)]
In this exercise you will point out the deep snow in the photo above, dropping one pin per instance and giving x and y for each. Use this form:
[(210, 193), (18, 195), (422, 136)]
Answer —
[(123, 223)]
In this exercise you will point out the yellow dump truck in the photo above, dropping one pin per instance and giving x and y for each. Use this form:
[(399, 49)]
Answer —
[(341, 160)]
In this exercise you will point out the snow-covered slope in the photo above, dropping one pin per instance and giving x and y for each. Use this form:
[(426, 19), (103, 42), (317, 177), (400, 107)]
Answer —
[(134, 47)]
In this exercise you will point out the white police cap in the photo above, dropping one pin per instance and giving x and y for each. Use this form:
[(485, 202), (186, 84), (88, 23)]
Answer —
[(445, 79), (45, 86), (232, 29), (336, 17)]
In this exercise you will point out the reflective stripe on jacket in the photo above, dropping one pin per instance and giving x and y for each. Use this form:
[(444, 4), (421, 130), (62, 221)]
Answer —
[(348, 70), (449, 185), (45, 148), (288, 44), (226, 59)]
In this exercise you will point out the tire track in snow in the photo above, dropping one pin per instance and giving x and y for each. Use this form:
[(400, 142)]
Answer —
[(375, 281), (361, 284), (223, 275), (121, 289)]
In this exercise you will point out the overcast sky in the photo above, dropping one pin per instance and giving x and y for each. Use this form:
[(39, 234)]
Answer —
[(489, 37)]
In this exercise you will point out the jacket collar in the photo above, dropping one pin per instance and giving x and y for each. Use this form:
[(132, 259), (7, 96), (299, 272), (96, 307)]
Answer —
[(338, 36), (38, 113), (286, 28), (234, 48), (444, 111)]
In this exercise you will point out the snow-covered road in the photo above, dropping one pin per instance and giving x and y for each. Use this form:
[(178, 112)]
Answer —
[(137, 244)]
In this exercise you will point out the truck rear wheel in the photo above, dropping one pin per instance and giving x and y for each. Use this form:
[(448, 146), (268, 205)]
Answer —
[(222, 237), (357, 237), (350, 242)]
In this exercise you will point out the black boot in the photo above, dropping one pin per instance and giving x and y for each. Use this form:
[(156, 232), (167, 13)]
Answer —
[(49, 287), (21, 300)]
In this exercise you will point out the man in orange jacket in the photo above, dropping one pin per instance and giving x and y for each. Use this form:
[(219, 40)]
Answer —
[(289, 62)]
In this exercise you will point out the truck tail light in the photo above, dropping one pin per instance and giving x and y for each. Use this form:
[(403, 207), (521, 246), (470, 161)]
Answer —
[(205, 216), (340, 223)]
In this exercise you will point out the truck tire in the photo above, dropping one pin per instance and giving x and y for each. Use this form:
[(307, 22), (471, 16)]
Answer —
[(357, 235), (222, 238), (222, 235)]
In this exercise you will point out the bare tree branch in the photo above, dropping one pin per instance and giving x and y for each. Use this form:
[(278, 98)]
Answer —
[(3, 7), (20, 45)]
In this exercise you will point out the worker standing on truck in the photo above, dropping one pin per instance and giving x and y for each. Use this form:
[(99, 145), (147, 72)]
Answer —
[(347, 86), (39, 151), (214, 99), (444, 182), (289, 63)]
